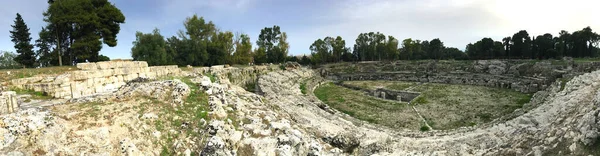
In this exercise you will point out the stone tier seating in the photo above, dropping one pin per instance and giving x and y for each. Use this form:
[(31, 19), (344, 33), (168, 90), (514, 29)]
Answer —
[(94, 78)]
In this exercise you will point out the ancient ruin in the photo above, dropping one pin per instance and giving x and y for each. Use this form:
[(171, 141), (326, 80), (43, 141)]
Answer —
[(129, 108)]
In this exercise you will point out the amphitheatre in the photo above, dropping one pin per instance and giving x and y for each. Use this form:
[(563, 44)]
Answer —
[(427, 107)]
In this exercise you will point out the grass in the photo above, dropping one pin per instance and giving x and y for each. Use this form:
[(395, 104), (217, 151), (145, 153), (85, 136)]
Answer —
[(563, 82), (370, 109), (420, 100), (211, 76), (586, 60), (30, 72), (250, 86), (34, 94), (192, 111), (449, 106)]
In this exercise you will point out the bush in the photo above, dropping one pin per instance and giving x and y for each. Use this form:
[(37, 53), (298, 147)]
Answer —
[(424, 128), (303, 88)]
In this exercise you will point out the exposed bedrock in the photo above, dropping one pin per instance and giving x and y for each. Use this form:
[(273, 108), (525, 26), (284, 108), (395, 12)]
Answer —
[(566, 122)]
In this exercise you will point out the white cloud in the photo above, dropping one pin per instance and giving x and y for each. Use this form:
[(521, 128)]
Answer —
[(456, 22)]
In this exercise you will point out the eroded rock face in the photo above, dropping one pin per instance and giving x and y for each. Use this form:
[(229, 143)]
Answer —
[(280, 120), (556, 121), (177, 90)]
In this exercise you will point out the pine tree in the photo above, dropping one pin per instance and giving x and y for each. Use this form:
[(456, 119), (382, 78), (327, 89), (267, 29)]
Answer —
[(21, 37)]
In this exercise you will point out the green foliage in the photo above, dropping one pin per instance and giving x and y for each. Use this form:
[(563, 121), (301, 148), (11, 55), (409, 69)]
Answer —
[(485, 117), (329, 50), (34, 94), (103, 58), (243, 50), (526, 98), (250, 86), (420, 100), (96, 22), (374, 47), (305, 60), (424, 128), (211, 76), (151, 48), (21, 37), (303, 87), (274, 43), (7, 60)]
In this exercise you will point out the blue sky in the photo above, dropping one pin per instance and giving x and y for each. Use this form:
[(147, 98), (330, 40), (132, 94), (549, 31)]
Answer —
[(455, 22)]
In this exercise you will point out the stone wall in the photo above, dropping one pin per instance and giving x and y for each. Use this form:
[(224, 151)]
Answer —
[(94, 78), (521, 84), (8, 102)]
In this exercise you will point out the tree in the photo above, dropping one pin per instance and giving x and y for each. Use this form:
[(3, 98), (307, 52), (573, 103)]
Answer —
[(274, 43), (373, 46), (521, 45), (544, 45), (338, 47), (305, 60), (391, 48), (7, 60), (260, 55), (103, 58), (562, 43), (506, 43), (243, 50), (21, 37), (436, 46), (320, 51), (80, 27), (150, 48), (220, 48)]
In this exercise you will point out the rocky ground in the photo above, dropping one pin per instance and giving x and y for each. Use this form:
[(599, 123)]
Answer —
[(194, 115)]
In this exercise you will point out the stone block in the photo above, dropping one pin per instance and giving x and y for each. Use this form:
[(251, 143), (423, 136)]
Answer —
[(87, 66), (104, 65)]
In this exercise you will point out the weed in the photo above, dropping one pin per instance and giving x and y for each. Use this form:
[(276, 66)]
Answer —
[(303, 87), (424, 128), (211, 76)]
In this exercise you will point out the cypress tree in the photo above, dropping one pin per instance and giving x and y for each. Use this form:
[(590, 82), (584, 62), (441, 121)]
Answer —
[(21, 37)]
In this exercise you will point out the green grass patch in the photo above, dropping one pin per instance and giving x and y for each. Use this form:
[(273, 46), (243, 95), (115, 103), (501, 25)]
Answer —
[(34, 94), (563, 82), (420, 100), (192, 111), (211, 76)]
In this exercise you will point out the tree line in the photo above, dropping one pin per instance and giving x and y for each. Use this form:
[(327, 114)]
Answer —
[(75, 32), (203, 44), (375, 46)]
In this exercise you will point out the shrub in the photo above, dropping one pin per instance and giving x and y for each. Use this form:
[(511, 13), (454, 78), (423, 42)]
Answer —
[(303, 88), (424, 128)]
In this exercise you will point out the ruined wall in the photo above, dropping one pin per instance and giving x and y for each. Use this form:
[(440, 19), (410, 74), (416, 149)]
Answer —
[(525, 76), (8, 102), (525, 85), (94, 78), (403, 96)]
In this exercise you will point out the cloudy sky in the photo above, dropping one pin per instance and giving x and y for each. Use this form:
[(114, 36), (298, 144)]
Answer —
[(455, 22)]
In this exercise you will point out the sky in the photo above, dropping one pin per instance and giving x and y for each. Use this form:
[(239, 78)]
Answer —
[(455, 22)]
